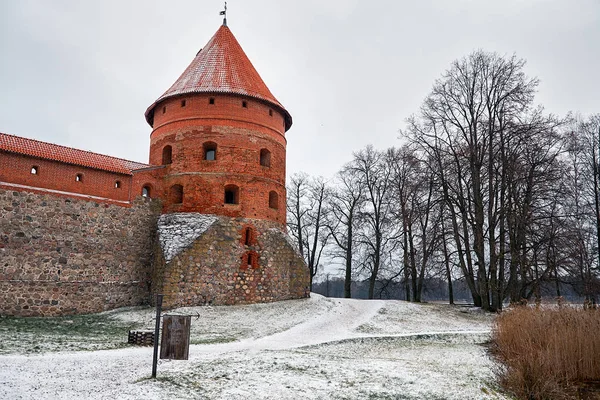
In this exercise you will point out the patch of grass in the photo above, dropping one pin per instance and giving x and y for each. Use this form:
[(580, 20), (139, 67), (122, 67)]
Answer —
[(80, 332), (547, 353)]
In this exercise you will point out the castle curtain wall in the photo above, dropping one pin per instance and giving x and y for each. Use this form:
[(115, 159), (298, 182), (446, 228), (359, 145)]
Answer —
[(67, 256)]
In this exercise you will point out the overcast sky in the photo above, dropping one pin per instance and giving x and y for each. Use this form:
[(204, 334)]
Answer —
[(82, 73)]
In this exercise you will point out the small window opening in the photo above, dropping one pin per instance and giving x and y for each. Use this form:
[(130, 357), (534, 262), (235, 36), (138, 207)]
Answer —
[(182, 103), (167, 155), (250, 259), (34, 170), (117, 184), (176, 194), (270, 112), (211, 100), (146, 191), (79, 178), (265, 158), (164, 109), (248, 236), (232, 193), (210, 151), (273, 200), (244, 104)]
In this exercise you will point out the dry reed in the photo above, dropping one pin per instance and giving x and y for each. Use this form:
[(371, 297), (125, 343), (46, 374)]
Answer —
[(547, 353)]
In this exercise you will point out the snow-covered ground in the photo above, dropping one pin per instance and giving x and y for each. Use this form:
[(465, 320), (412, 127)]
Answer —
[(317, 348)]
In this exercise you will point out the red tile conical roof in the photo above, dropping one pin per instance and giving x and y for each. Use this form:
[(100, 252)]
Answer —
[(221, 67)]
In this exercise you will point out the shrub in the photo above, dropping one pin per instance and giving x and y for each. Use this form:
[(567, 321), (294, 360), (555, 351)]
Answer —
[(547, 353)]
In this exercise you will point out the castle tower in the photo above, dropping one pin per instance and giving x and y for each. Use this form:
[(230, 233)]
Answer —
[(219, 134)]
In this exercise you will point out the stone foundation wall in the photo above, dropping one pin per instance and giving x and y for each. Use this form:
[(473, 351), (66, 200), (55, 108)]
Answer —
[(215, 267), (65, 256)]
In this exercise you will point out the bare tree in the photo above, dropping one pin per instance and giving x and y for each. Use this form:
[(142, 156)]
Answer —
[(345, 201), (462, 119), (306, 218), (373, 168)]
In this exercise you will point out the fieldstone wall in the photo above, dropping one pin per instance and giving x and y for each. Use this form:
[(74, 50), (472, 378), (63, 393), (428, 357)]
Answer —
[(65, 256), (233, 261)]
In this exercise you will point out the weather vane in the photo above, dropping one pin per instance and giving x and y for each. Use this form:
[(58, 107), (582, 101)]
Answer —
[(224, 14)]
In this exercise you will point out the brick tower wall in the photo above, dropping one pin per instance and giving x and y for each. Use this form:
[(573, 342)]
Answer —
[(235, 261), (239, 128), (66, 256)]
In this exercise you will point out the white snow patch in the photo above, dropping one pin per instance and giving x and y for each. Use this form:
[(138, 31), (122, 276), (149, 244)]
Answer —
[(317, 348), (178, 231)]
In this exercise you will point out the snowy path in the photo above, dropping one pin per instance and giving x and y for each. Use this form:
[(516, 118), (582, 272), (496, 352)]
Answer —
[(122, 373)]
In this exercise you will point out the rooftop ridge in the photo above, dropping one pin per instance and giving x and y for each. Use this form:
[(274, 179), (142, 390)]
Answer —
[(70, 155)]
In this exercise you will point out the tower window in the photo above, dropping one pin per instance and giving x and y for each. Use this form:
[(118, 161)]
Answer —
[(34, 170), (270, 112), (210, 151), (250, 259), (265, 158), (164, 109), (232, 194), (146, 191), (79, 178), (211, 100), (244, 104), (273, 200), (167, 155), (117, 184), (176, 194), (182, 103)]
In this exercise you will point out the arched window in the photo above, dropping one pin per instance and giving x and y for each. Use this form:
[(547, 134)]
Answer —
[(34, 170), (232, 194), (210, 151), (79, 178), (265, 158), (273, 199), (176, 194), (167, 155), (146, 191), (117, 184)]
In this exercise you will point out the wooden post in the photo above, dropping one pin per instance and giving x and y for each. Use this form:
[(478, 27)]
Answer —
[(159, 299)]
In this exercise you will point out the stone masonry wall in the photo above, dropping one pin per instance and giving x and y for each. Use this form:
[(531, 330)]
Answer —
[(65, 256), (234, 261)]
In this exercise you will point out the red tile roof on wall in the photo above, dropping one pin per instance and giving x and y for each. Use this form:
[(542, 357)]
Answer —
[(221, 67), (69, 155)]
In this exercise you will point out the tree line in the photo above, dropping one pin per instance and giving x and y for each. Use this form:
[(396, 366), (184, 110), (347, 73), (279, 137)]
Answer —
[(486, 187)]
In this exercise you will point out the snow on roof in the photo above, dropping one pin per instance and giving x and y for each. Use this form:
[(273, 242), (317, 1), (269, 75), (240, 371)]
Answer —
[(221, 66), (69, 155), (178, 231)]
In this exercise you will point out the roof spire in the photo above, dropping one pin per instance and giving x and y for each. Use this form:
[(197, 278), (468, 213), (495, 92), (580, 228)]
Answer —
[(224, 14)]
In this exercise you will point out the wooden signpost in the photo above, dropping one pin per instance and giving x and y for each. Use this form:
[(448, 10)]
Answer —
[(175, 340)]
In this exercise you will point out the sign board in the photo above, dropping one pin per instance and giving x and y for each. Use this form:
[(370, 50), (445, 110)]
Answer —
[(175, 340)]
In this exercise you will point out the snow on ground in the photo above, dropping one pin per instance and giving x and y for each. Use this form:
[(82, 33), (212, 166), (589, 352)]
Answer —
[(317, 348)]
